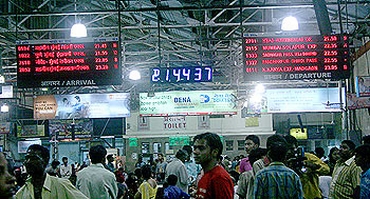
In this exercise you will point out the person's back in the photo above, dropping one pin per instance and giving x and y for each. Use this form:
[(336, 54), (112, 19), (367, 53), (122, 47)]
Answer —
[(172, 191), (277, 180), (95, 181)]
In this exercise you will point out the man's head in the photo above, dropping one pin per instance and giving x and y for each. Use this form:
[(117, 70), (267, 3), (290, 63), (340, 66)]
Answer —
[(362, 157), (65, 160), (182, 155), (189, 150), (37, 158), (110, 158), (7, 181), (346, 149), (251, 142), (366, 139), (320, 152), (207, 147), (97, 154), (160, 157), (172, 180)]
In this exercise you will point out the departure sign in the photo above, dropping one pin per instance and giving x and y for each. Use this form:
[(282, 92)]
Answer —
[(296, 58), (62, 63), (181, 74)]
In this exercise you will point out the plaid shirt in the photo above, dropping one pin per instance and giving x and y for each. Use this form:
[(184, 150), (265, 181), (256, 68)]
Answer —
[(346, 177), (277, 181)]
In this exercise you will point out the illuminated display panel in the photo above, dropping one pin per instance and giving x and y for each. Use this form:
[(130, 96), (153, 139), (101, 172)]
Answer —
[(181, 74), (296, 58), (61, 63)]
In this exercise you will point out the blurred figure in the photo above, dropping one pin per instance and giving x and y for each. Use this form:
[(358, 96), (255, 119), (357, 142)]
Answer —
[(251, 142), (110, 165), (140, 162), (65, 169), (7, 181), (148, 188), (346, 174), (40, 184), (122, 186), (308, 166), (246, 179), (333, 158), (277, 180), (362, 159), (95, 181), (172, 191), (53, 169), (320, 153), (177, 167), (192, 168), (215, 183), (160, 168)]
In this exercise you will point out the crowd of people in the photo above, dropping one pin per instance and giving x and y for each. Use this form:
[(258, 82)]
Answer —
[(281, 170)]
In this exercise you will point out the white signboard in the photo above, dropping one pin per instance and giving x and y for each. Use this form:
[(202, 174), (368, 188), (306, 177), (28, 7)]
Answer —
[(189, 103), (304, 100)]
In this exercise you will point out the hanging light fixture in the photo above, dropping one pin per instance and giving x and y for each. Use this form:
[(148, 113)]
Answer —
[(134, 75), (4, 108), (289, 24), (78, 30)]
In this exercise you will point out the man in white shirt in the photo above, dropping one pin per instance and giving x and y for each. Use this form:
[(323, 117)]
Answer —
[(95, 181), (178, 168), (65, 168)]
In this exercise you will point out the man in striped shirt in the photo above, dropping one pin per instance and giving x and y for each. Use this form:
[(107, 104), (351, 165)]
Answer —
[(346, 174)]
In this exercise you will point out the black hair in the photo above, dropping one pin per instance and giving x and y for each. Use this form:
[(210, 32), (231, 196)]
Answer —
[(97, 154), (146, 171), (274, 138), (181, 154), (319, 152), (366, 139), (188, 149), (291, 141), (256, 154), (44, 152), (277, 151), (213, 141), (255, 139), (363, 151), (350, 144), (172, 180)]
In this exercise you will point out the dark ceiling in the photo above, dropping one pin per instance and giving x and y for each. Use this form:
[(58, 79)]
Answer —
[(171, 33)]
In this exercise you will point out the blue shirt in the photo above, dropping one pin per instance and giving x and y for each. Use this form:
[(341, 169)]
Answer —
[(173, 192), (365, 185), (277, 181)]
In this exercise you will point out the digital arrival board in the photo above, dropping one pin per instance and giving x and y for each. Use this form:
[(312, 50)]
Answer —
[(63, 63), (296, 58)]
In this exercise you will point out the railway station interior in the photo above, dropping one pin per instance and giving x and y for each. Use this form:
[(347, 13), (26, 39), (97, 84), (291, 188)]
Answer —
[(132, 98)]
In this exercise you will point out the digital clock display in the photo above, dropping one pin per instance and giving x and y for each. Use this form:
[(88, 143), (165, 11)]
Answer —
[(61, 63), (181, 74), (296, 58)]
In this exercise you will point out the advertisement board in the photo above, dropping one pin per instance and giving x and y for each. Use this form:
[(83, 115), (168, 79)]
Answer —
[(215, 102), (82, 106), (362, 85), (303, 100)]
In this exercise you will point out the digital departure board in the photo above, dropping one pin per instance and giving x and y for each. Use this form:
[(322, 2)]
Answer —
[(181, 74), (296, 58), (63, 63)]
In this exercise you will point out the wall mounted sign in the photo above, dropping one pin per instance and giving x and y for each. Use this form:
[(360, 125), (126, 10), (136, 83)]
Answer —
[(296, 57), (63, 63)]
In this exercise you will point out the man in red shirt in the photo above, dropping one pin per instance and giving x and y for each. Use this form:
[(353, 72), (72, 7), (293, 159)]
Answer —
[(216, 182)]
